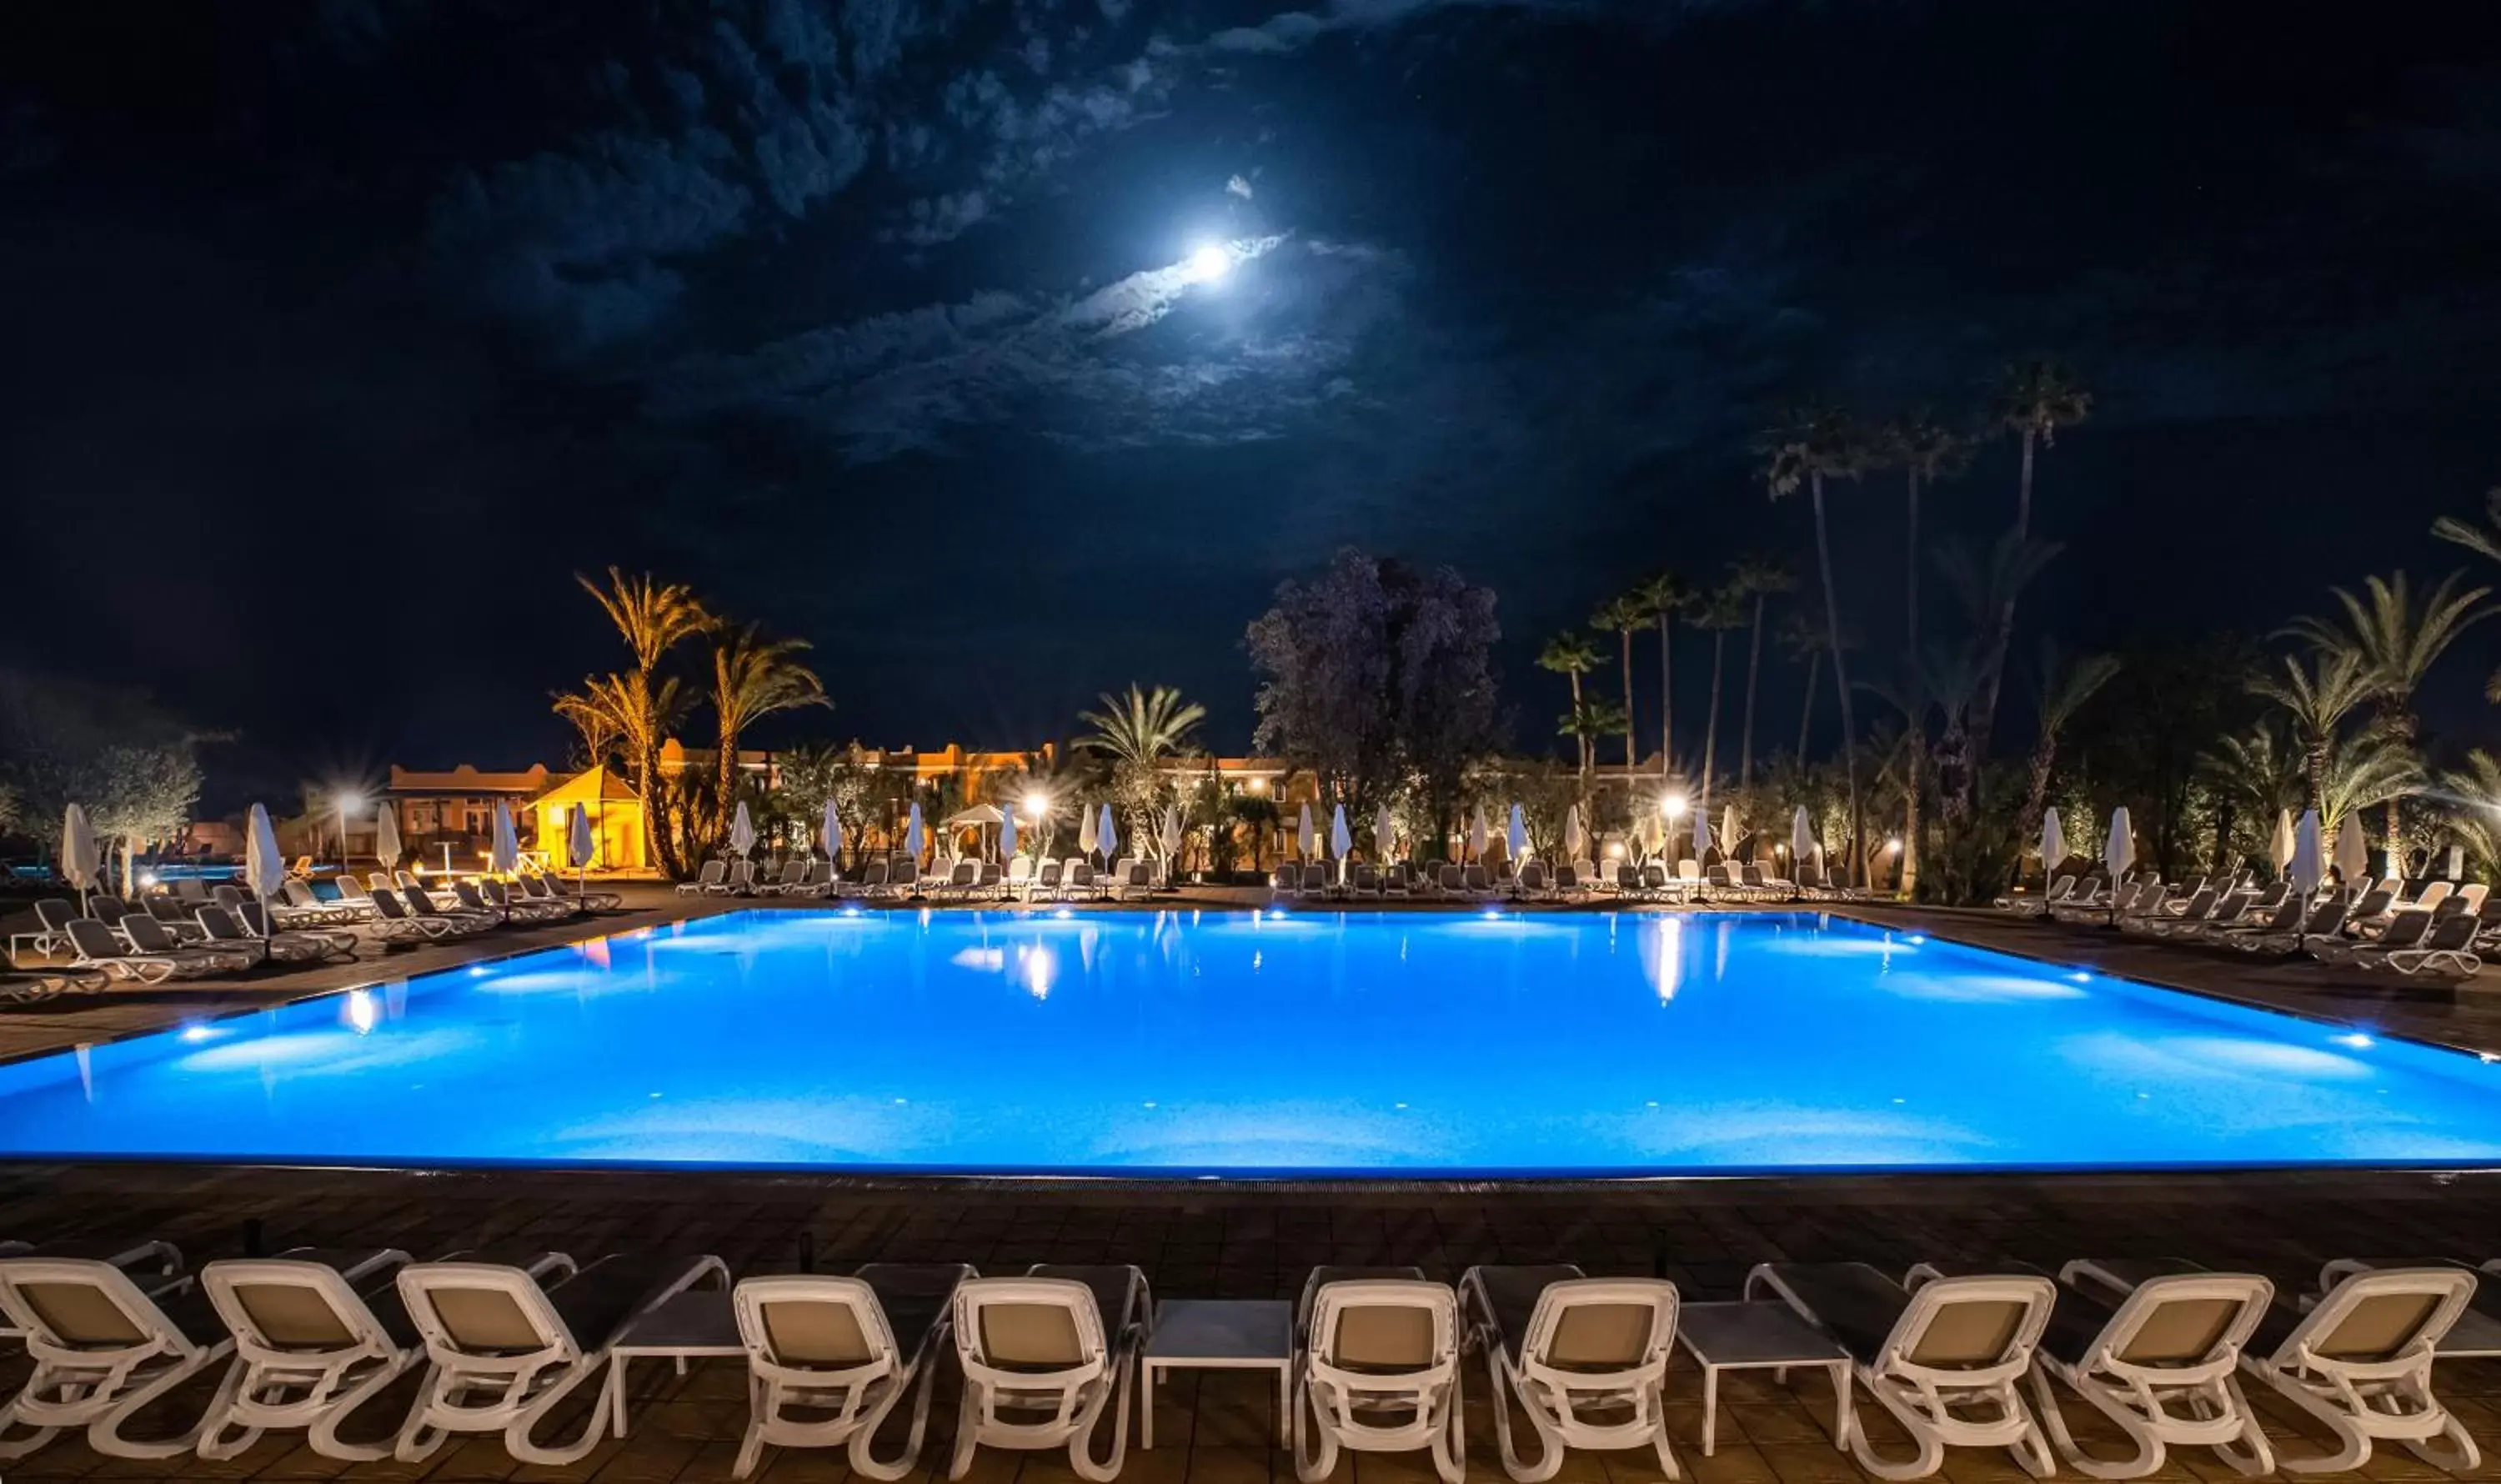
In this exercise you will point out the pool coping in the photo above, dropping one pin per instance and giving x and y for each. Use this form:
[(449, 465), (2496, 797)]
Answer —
[(2363, 1179)]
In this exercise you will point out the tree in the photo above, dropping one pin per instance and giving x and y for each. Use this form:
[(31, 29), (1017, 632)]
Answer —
[(1140, 732), (1757, 579), (1626, 616), (1666, 595), (2061, 685), (2397, 646), (1722, 611), (753, 678), (2476, 788), (1588, 720), (2317, 699), (1572, 656), (1803, 640), (2256, 775), (1376, 674), (652, 618), (135, 768), (1926, 452), (1811, 446), (2035, 398)]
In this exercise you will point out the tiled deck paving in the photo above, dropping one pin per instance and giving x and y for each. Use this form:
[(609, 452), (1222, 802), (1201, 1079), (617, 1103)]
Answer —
[(1212, 1427)]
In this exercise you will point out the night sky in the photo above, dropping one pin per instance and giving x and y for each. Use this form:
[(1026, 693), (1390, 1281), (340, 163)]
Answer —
[(340, 334)]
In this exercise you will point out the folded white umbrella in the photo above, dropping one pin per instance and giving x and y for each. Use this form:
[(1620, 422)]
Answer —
[(1728, 832), (386, 847), (1652, 833), (1085, 831), (1306, 844), (583, 843), (81, 862), (2307, 866), (1341, 839), (2352, 850), (1576, 840), (1477, 833), (1007, 833), (913, 837), (2458, 862), (742, 830), (830, 832), (264, 869), (2118, 850), (2280, 847), (1385, 834), (1515, 840), (1701, 834), (504, 854), (1172, 832), (2053, 840), (1107, 838), (1802, 835)]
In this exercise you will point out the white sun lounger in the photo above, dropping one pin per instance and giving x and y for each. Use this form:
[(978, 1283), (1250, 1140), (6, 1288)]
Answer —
[(310, 1348), (1045, 1356), (104, 1349), (504, 1351), (1586, 1357), (714, 875), (1944, 1359), (1376, 1370), (828, 1359)]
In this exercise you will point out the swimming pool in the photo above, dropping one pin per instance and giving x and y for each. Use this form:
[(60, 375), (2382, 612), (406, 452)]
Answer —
[(1188, 1044)]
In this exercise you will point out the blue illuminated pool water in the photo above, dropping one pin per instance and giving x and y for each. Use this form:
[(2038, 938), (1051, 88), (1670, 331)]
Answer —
[(1234, 1044)]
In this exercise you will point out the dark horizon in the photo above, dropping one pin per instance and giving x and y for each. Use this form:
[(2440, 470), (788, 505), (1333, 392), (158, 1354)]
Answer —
[(347, 332)]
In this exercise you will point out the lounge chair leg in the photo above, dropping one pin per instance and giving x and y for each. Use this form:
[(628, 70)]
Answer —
[(24, 1442), (516, 1436), (324, 1433), (2252, 1453), (2355, 1445), (968, 1415), (2148, 1448), (863, 1453), (1931, 1452), (214, 1442), (2460, 1455), (1315, 1449), (1451, 1441), (104, 1434), (1079, 1453), (1550, 1459)]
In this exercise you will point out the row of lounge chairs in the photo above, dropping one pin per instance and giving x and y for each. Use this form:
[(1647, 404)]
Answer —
[(2440, 932), (1049, 1357), (1688, 881), (169, 937), (1022, 879)]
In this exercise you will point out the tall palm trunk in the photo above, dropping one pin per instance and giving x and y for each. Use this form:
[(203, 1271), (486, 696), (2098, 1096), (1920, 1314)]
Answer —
[(1806, 708), (1992, 671), (1753, 674), (1632, 757), (1915, 745), (728, 771), (1710, 719), (1841, 683), (1666, 698), (1586, 752)]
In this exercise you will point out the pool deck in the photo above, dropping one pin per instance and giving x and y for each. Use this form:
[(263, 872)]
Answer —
[(1232, 1242)]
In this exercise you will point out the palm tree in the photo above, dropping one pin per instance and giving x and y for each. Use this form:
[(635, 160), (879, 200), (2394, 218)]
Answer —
[(2477, 786), (2062, 685), (1666, 595), (2485, 540), (2397, 646), (1591, 720), (1626, 616), (652, 617), (2035, 398), (1987, 583), (1815, 443), (2317, 699), (752, 677), (1757, 579), (1802, 638), (1925, 452), (1722, 611), (1140, 732), (2256, 776), (1572, 656)]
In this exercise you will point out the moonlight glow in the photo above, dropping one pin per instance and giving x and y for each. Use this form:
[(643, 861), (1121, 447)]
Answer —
[(1210, 263)]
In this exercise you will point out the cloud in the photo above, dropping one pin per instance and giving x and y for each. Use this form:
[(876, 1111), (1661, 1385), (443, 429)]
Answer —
[(1237, 187), (1091, 370)]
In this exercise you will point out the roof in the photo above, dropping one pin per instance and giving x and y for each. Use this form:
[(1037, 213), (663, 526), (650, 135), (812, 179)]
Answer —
[(594, 785)]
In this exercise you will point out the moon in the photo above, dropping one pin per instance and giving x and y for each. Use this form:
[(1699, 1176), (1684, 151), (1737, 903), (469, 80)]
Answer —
[(1210, 263)]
